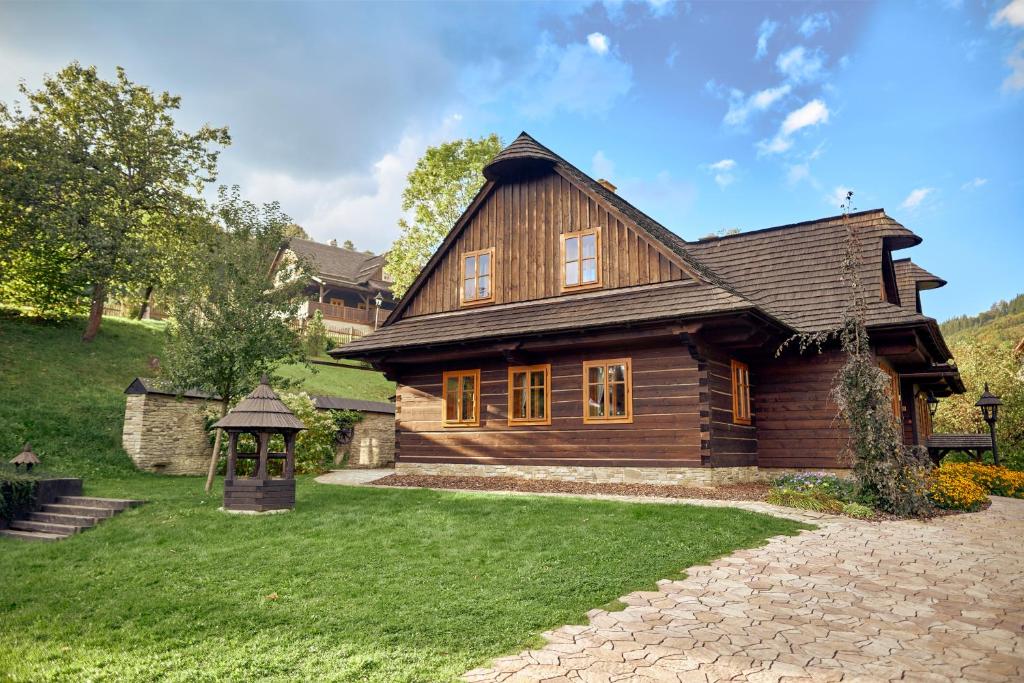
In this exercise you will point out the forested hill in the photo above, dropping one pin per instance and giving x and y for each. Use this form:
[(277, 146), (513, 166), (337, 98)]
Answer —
[(1005, 320)]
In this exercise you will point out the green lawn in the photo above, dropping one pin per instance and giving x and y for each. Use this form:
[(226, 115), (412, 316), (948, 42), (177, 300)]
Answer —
[(371, 585)]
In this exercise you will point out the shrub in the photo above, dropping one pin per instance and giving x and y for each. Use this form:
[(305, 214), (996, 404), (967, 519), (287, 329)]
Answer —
[(998, 481), (17, 493), (827, 484), (857, 510), (954, 490), (314, 447), (813, 500)]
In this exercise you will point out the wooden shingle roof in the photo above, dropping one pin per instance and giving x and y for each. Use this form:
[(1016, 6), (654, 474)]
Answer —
[(262, 409), (337, 263), (911, 278), (591, 310), (795, 271)]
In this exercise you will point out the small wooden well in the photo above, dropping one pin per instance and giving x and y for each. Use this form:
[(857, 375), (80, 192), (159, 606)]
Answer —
[(263, 415)]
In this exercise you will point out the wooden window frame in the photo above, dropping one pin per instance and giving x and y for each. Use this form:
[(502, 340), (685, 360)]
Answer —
[(618, 419), (445, 376), (596, 232), (742, 408), (489, 299), (546, 420)]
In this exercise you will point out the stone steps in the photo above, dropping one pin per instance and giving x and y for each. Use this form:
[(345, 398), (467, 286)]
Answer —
[(65, 517)]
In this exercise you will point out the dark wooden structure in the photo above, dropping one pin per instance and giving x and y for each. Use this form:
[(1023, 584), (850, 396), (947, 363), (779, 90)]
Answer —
[(557, 325), (262, 415), (26, 458), (939, 445)]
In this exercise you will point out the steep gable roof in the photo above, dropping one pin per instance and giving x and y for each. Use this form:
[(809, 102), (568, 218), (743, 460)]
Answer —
[(337, 263)]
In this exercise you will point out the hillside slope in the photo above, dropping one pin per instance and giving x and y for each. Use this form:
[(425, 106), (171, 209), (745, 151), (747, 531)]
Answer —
[(67, 398)]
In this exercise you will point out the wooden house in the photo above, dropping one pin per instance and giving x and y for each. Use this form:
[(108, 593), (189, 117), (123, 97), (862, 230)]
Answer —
[(345, 286), (558, 331)]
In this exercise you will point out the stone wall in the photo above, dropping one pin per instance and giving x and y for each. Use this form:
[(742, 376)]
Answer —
[(373, 442), (165, 434), (689, 476)]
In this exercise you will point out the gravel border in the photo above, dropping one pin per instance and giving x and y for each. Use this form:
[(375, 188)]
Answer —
[(748, 492)]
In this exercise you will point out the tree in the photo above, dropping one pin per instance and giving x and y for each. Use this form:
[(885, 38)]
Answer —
[(96, 174), (236, 321), (438, 190), (349, 244), (295, 230)]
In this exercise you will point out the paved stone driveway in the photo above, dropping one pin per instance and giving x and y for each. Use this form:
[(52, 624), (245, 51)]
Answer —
[(851, 601), (354, 477)]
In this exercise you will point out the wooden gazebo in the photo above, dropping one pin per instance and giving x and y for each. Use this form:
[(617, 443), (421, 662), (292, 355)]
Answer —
[(263, 415)]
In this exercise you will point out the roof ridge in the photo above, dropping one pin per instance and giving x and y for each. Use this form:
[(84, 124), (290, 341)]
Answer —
[(785, 226)]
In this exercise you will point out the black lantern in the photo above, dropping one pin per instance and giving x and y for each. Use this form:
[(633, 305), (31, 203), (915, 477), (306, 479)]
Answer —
[(933, 403), (378, 300), (989, 404)]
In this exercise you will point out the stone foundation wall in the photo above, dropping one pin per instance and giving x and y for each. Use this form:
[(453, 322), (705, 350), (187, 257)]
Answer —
[(165, 434), (373, 442), (688, 476)]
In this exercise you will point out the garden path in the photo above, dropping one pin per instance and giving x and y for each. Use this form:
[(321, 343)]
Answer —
[(850, 601)]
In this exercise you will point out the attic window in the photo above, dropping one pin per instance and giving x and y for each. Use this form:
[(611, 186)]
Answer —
[(581, 264), (477, 282)]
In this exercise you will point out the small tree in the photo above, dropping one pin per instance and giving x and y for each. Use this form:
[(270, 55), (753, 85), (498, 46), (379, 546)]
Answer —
[(316, 335), (98, 186), (235, 322), (438, 190)]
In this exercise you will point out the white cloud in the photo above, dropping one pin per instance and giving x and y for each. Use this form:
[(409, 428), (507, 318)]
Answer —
[(764, 33), (801, 65), (598, 42), (572, 78), (361, 206), (974, 184), (814, 113), (812, 23), (915, 197), (1015, 81), (722, 171), (1012, 14), (740, 108), (798, 172), (602, 166)]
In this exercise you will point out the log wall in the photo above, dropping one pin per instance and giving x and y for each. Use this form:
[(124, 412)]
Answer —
[(665, 432)]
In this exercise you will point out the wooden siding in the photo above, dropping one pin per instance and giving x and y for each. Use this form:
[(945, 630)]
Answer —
[(797, 420), (665, 431), (524, 221), (730, 444)]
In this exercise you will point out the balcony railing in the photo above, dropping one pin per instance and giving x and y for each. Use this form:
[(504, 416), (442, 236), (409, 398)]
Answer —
[(341, 312)]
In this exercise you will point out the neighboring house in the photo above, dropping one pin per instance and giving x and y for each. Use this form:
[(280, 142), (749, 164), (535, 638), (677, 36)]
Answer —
[(345, 286), (559, 331)]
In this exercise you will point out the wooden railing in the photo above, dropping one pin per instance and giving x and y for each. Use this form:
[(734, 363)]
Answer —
[(341, 312)]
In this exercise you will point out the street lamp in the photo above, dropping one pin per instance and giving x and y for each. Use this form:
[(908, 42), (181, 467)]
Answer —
[(378, 300), (933, 403), (989, 404)]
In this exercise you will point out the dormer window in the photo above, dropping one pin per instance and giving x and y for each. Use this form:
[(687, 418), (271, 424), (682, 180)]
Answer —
[(580, 259), (477, 281)]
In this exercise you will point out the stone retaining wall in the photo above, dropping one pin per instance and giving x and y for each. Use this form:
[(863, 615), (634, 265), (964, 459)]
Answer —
[(688, 476), (373, 442), (165, 434)]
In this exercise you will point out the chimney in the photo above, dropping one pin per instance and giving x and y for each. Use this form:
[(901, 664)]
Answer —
[(606, 184)]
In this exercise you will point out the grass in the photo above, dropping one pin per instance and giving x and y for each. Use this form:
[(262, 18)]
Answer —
[(335, 381), (356, 584)]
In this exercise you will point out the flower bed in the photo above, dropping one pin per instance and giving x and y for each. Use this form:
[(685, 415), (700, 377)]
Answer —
[(821, 492), (967, 485)]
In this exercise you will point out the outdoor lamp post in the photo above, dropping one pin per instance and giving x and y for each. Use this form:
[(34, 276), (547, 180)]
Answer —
[(989, 404), (933, 403), (378, 301)]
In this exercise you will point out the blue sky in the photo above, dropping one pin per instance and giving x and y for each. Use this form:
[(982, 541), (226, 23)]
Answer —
[(707, 116)]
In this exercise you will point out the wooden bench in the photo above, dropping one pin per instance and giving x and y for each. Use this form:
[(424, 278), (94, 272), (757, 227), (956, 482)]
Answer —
[(940, 444)]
